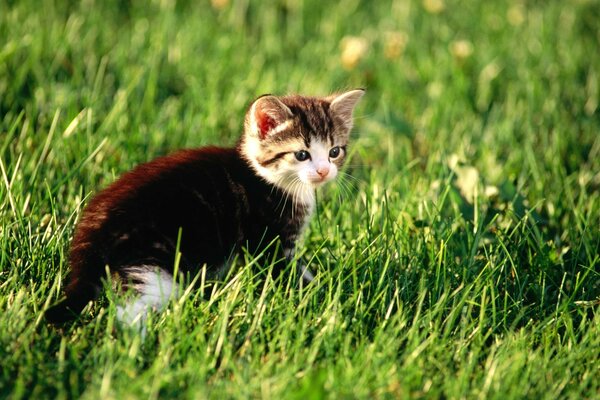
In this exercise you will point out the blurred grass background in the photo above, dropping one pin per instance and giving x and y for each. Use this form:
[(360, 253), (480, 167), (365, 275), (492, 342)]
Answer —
[(462, 260)]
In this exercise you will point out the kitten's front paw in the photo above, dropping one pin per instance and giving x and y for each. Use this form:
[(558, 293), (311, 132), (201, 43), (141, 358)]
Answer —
[(306, 274)]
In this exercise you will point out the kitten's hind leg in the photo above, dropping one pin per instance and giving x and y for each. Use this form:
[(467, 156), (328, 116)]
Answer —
[(78, 294), (304, 273), (153, 288)]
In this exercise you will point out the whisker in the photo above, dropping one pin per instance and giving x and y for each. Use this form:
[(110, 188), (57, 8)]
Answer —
[(294, 188), (345, 190), (296, 194), (286, 193), (350, 181), (345, 187), (277, 185), (345, 177), (285, 200), (352, 177)]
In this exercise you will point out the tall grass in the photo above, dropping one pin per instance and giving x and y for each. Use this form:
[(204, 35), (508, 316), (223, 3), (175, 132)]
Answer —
[(459, 256)]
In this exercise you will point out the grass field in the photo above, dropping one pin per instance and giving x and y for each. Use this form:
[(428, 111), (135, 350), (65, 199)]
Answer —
[(462, 261)]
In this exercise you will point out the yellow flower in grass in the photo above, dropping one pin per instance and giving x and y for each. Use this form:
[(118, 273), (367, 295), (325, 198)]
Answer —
[(354, 49), (434, 6), (219, 4), (516, 15), (461, 49), (395, 44)]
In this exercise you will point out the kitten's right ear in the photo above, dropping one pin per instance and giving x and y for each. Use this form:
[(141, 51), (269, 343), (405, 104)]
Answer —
[(266, 114), (343, 105)]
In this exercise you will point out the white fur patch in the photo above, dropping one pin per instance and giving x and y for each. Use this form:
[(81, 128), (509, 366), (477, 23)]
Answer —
[(298, 191), (155, 289), (298, 179), (285, 176), (319, 157), (281, 127), (306, 274), (288, 253)]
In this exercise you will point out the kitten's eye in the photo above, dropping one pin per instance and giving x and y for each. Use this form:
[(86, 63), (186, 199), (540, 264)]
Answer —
[(302, 155), (334, 152)]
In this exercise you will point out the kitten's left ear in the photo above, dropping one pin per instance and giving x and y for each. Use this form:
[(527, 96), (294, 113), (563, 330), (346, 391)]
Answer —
[(268, 113), (343, 105)]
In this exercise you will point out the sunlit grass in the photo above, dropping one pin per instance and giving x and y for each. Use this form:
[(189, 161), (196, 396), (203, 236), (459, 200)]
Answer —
[(459, 256)]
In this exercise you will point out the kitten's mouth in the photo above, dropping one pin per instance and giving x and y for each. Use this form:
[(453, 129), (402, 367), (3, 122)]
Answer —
[(318, 181)]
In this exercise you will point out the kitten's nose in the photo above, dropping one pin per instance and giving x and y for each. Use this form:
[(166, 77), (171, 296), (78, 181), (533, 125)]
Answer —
[(323, 171)]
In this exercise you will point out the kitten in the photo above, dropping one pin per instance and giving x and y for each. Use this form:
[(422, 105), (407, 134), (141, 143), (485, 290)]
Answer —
[(211, 202)]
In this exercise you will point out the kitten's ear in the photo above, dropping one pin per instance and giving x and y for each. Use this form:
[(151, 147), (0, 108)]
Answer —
[(266, 114), (343, 105)]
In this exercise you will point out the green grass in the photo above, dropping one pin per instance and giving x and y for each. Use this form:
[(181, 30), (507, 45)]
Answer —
[(462, 262)]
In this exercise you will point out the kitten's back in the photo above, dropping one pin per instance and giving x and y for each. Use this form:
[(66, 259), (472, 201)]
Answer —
[(191, 200)]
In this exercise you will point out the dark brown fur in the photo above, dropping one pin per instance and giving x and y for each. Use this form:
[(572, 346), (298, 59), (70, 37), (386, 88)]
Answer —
[(216, 200), (211, 196)]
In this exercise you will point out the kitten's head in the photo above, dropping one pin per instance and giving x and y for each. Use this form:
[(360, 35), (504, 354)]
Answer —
[(298, 143)]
